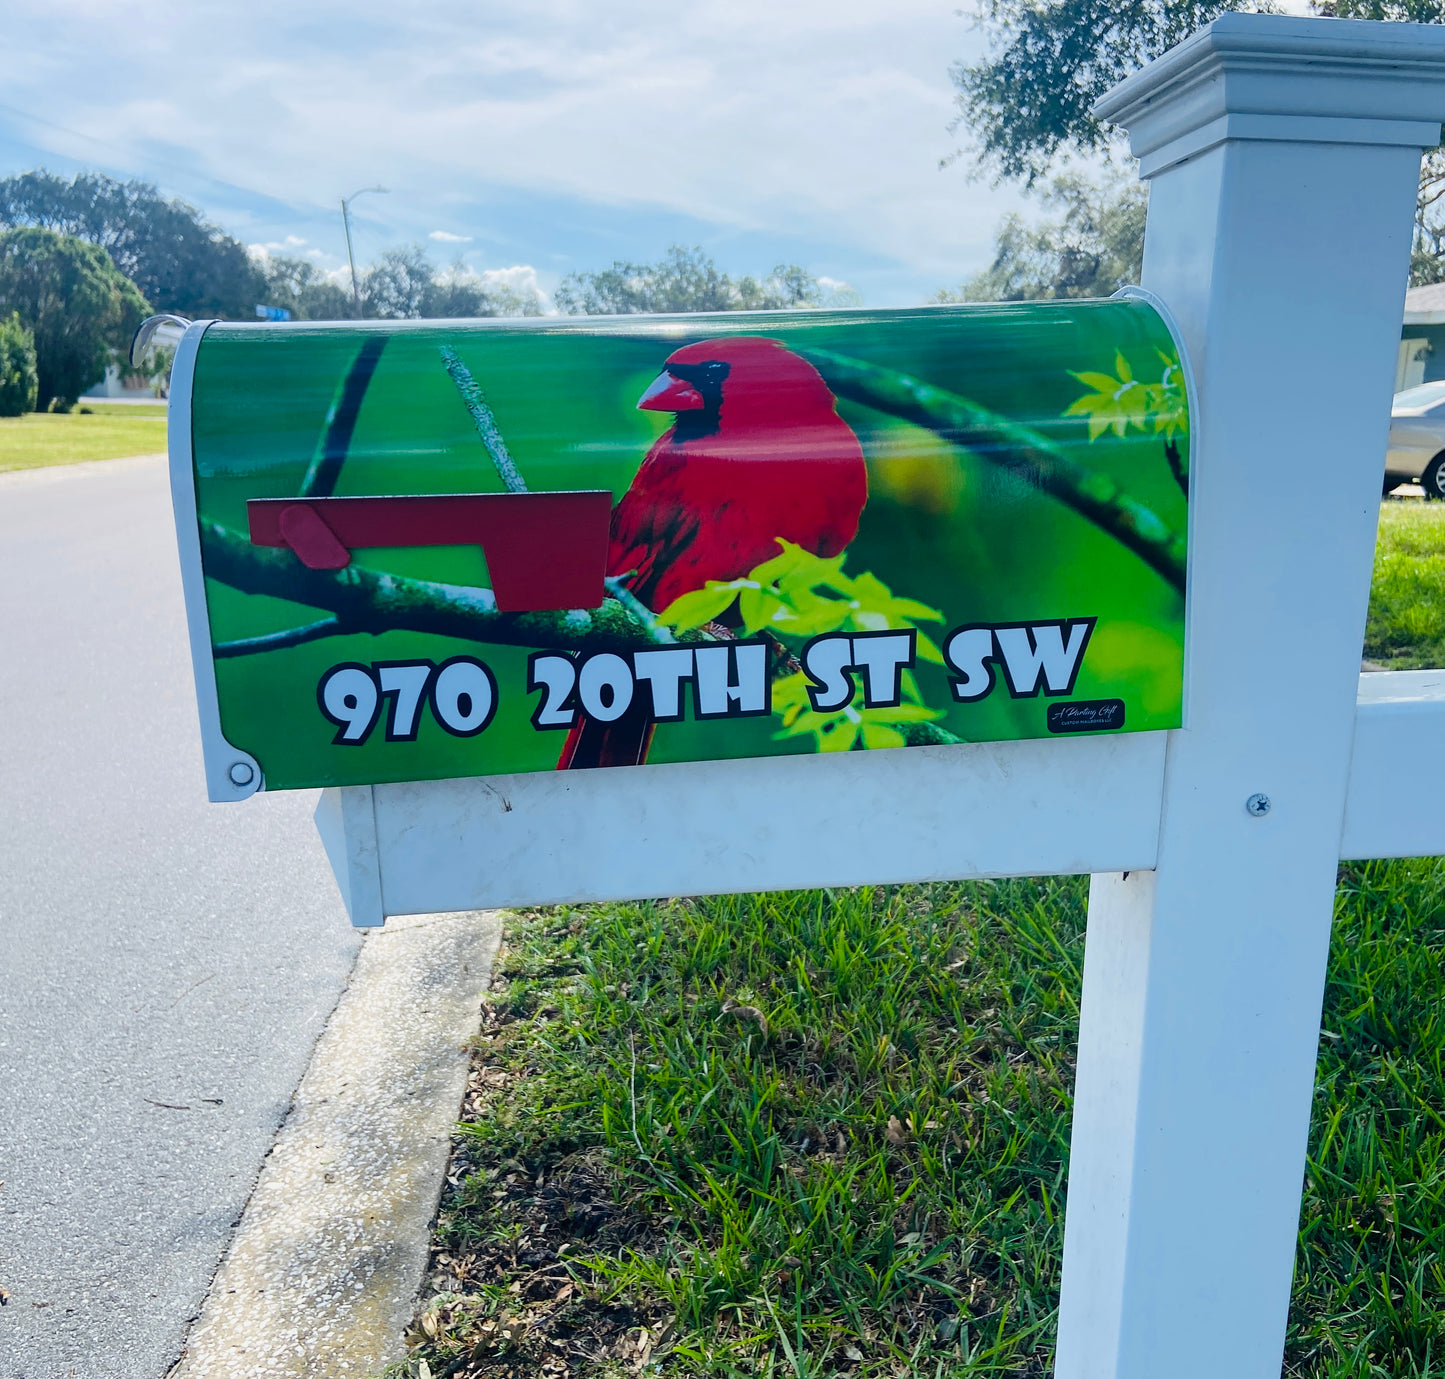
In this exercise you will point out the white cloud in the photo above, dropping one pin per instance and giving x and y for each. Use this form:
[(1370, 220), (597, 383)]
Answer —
[(261, 255), (276, 246), (821, 122), (446, 237), (837, 293), (521, 277)]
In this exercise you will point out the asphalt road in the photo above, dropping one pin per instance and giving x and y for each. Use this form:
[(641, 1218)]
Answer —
[(166, 965)]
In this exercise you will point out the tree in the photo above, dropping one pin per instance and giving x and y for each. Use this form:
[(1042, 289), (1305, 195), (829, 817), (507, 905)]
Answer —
[(1027, 102), (1427, 252), (80, 308), (401, 285), (395, 287), (688, 280), (404, 285), (458, 292), (303, 290), (1092, 250), (178, 260), (1029, 99), (18, 382), (1411, 11)]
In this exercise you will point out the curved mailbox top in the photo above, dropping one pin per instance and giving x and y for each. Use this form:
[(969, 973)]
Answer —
[(418, 550)]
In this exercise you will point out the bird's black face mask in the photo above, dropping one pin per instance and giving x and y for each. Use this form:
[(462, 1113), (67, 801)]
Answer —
[(707, 378)]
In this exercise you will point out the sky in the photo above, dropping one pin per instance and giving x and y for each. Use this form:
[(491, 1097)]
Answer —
[(530, 138)]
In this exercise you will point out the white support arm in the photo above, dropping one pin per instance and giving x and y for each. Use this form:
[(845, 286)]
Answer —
[(1396, 801), (851, 818), (1022, 808)]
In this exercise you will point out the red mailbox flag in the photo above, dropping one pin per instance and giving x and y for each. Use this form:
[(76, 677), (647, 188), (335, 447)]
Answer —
[(543, 550)]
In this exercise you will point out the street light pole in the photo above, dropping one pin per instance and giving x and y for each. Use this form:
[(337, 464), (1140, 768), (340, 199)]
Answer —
[(346, 229)]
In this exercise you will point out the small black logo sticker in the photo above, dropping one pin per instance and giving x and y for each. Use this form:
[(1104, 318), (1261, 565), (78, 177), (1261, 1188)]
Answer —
[(1086, 716)]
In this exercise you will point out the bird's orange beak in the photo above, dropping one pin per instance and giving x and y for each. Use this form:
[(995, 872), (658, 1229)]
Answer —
[(669, 393)]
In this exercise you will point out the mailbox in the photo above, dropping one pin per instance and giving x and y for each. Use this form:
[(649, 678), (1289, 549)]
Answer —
[(423, 550)]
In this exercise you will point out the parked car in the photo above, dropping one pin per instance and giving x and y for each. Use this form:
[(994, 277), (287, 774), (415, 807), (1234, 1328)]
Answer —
[(1417, 439)]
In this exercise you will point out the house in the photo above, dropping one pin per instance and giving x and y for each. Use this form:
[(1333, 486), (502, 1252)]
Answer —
[(132, 387), (1422, 341)]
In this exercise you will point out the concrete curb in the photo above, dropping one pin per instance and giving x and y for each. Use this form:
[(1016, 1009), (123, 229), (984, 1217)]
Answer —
[(323, 1272)]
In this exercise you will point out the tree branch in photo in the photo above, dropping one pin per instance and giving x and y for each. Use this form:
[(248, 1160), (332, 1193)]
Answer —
[(1177, 466), (1019, 449), (483, 420), (362, 600), (331, 451), (277, 641)]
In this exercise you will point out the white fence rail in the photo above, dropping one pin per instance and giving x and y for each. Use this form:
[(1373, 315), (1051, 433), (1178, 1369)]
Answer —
[(1396, 801)]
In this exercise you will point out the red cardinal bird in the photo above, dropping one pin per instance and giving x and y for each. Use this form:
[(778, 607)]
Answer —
[(757, 452)]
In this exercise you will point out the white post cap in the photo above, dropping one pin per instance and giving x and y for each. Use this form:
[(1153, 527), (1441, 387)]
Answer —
[(1270, 76)]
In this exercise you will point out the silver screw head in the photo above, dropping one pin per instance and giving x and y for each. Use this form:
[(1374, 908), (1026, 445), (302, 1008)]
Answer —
[(1257, 805), (241, 773)]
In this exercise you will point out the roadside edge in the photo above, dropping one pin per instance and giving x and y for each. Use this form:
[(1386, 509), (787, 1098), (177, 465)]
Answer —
[(323, 1271)]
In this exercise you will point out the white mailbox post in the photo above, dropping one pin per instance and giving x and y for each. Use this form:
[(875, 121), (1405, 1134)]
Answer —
[(1283, 155)]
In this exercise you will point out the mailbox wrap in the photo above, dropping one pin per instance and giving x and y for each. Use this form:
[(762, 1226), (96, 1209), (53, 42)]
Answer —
[(467, 548)]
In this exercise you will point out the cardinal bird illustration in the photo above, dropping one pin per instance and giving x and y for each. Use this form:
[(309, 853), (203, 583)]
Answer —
[(757, 451)]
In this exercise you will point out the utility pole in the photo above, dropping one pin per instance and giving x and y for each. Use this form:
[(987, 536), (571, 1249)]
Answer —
[(346, 228)]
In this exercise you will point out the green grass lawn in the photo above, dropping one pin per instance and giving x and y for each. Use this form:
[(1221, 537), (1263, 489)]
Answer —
[(98, 407), (825, 1133), (1406, 628), (108, 433)]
